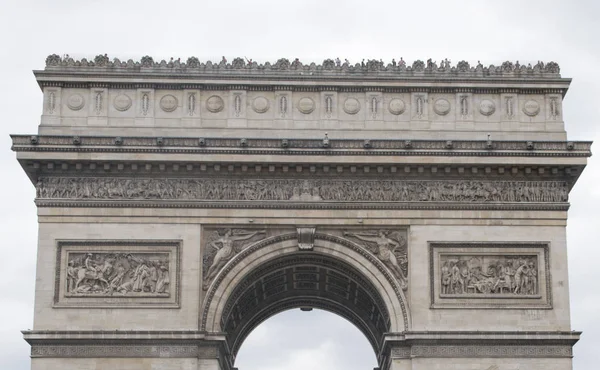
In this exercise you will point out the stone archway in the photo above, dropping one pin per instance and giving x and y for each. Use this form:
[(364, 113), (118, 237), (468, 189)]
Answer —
[(274, 275)]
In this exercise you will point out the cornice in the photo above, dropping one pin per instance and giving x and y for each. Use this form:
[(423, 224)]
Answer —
[(326, 146), (432, 206)]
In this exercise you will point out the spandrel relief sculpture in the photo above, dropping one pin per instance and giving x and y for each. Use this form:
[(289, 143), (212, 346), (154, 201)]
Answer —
[(222, 245), (389, 246), (117, 274), (216, 189), (468, 275)]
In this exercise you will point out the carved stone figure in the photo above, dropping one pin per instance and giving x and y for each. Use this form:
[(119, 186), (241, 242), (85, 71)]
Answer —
[(107, 274), (238, 63), (418, 66), (221, 248), (390, 247), (476, 274), (463, 66), (283, 65)]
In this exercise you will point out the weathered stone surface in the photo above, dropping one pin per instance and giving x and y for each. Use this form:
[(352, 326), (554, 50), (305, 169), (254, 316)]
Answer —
[(178, 208)]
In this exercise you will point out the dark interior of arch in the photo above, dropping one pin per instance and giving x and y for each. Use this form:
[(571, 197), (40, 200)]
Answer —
[(301, 280)]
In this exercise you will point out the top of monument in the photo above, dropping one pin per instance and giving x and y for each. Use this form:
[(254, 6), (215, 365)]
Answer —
[(329, 67)]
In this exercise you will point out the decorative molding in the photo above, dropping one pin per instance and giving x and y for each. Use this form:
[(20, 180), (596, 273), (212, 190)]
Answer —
[(123, 350), (479, 351), (121, 273), (510, 275)]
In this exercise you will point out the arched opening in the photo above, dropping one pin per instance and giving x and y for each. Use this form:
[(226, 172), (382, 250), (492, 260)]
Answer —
[(315, 340), (274, 275), (307, 281)]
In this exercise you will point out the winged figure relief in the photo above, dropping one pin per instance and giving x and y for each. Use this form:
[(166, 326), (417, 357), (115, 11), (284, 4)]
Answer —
[(390, 247), (221, 247)]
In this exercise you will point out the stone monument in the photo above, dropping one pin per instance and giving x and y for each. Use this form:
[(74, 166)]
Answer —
[(182, 203)]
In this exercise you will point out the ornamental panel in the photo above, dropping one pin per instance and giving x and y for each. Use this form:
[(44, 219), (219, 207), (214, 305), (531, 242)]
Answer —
[(121, 273), (490, 275)]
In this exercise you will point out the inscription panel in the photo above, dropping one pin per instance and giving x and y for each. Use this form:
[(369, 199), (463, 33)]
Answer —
[(103, 273), (490, 275)]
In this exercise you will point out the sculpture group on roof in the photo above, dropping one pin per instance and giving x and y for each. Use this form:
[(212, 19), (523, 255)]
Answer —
[(328, 65)]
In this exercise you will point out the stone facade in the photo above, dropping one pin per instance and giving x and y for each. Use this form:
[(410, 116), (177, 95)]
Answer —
[(180, 204)]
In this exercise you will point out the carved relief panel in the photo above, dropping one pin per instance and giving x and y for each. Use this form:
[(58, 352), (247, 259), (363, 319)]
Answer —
[(52, 104), (329, 105), (509, 105), (117, 273), (532, 108), (283, 105), (464, 106), (553, 104), (220, 245), (120, 104), (237, 104), (145, 106), (419, 106), (490, 275), (214, 105), (389, 246), (374, 105)]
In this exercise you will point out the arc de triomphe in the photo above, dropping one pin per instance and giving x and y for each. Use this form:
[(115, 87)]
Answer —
[(180, 204)]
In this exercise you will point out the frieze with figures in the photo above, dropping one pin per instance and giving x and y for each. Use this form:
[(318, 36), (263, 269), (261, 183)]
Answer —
[(298, 190), (106, 273), (466, 275), (118, 273), (490, 275)]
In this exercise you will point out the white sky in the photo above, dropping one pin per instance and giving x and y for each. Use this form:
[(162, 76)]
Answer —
[(490, 31)]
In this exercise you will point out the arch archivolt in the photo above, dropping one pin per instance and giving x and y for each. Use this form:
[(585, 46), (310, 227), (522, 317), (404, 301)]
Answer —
[(331, 256)]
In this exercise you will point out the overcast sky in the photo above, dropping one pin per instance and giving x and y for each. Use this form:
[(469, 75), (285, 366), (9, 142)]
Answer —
[(490, 31)]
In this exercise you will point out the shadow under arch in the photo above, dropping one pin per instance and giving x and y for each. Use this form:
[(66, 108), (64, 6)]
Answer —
[(273, 275)]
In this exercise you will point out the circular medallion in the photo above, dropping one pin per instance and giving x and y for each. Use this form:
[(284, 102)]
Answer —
[(351, 106), (122, 102), (306, 105), (396, 106), (214, 104), (260, 104), (75, 102), (487, 107), (531, 108), (168, 103), (441, 107)]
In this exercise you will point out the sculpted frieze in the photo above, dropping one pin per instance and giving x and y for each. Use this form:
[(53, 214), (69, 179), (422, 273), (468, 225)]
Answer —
[(465, 275), (298, 190), (103, 273), (490, 275), (118, 273)]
